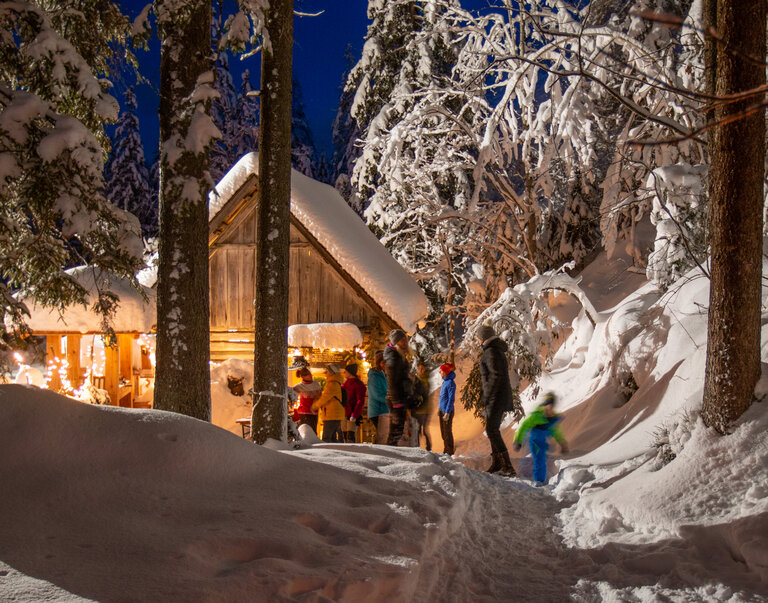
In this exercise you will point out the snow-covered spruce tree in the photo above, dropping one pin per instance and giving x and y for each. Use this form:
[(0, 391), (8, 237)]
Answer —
[(269, 418), (186, 135), (246, 131), (414, 171), (224, 106), (387, 64), (54, 61), (304, 156), (127, 176), (345, 134)]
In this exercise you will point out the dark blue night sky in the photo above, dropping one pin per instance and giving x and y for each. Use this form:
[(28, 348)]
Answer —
[(318, 63)]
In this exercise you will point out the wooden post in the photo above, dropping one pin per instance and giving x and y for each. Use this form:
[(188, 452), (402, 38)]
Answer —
[(53, 353), (73, 360), (112, 372), (125, 343)]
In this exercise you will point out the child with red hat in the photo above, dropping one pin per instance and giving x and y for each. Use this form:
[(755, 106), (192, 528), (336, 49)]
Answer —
[(445, 412)]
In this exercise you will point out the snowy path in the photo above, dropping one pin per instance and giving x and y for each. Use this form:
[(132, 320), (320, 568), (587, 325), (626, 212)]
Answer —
[(504, 549), (507, 548)]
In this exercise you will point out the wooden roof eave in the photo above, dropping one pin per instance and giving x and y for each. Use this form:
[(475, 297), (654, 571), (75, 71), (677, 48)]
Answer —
[(229, 212)]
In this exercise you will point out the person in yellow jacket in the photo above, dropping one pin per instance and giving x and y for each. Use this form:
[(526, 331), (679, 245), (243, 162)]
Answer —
[(329, 405)]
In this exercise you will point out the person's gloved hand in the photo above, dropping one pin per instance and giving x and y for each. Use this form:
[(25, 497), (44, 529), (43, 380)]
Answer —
[(359, 421), (517, 446), (564, 448)]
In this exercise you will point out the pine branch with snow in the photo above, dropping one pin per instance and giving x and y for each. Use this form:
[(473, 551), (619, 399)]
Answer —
[(53, 106)]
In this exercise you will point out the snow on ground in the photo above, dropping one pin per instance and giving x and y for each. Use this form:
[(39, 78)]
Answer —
[(115, 504)]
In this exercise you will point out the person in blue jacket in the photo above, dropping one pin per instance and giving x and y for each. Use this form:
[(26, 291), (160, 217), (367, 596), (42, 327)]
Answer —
[(542, 424), (445, 410), (378, 411)]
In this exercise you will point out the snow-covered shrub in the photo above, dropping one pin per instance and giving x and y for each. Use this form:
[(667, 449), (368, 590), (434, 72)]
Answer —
[(679, 215), (90, 394), (523, 319), (670, 438)]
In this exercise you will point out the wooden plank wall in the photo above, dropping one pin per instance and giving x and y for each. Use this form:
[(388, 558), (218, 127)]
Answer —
[(317, 293)]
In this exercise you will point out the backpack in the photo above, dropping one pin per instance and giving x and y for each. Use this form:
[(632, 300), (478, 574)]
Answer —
[(344, 397), (419, 397)]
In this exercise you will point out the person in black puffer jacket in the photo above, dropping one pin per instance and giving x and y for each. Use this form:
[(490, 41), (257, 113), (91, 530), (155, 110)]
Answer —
[(399, 384), (497, 395)]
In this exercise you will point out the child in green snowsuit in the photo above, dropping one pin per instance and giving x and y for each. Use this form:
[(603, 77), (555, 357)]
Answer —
[(542, 423)]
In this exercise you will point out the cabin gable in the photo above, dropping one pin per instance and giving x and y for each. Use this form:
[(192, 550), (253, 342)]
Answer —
[(319, 289)]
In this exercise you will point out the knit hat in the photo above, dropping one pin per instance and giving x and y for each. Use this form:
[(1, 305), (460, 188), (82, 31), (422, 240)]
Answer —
[(298, 363), (396, 335), (333, 368), (549, 398), (351, 369), (446, 368), (485, 332)]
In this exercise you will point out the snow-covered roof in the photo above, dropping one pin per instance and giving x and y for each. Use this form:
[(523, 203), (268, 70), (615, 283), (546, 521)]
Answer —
[(133, 315), (325, 214), (325, 335)]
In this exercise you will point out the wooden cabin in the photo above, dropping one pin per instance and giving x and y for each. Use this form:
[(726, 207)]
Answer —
[(74, 342), (339, 272)]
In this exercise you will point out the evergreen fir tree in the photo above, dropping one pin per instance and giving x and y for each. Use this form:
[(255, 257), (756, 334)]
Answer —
[(245, 136), (346, 131), (127, 176), (303, 152), (53, 107), (224, 108)]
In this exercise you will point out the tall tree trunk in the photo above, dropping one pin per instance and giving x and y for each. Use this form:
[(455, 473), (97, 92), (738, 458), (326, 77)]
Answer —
[(183, 350), (269, 419), (737, 157)]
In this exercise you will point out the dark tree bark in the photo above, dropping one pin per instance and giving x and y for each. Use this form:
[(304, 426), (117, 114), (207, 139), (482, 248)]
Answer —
[(269, 419), (737, 155), (183, 349)]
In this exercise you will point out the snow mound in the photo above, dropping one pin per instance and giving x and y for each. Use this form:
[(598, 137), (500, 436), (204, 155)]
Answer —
[(103, 503)]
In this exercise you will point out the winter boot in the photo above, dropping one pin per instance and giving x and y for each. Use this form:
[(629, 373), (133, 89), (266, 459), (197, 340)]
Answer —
[(506, 465), (496, 463)]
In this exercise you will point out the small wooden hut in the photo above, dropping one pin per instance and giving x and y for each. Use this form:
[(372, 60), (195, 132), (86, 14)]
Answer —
[(339, 272), (74, 340)]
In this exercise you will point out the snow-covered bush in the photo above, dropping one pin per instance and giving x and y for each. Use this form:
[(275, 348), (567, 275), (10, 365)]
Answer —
[(679, 215), (523, 319), (670, 438)]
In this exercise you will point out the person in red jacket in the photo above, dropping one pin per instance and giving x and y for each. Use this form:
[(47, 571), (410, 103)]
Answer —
[(308, 391), (356, 390)]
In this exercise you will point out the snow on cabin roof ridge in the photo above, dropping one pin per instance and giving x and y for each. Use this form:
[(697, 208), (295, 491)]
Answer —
[(324, 213)]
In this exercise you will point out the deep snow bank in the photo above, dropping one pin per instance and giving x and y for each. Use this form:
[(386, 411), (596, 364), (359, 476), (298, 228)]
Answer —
[(643, 469), (121, 504)]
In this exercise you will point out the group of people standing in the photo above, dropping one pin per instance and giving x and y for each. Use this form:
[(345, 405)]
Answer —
[(398, 403), (407, 395), (398, 399)]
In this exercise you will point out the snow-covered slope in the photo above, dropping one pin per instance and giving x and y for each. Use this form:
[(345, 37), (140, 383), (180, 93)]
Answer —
[(117, 504)]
